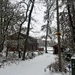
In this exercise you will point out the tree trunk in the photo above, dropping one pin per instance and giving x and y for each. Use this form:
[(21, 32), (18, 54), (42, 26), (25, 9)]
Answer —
[(71, 25), (28, 28), (47, 27), (46, 36), (19, 52), (58, 31), (1, 22)]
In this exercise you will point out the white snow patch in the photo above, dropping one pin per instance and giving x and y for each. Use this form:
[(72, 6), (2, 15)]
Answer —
[(33, 66)]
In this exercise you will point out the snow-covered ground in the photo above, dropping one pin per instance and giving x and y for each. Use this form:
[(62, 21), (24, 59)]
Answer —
[(33, 66)]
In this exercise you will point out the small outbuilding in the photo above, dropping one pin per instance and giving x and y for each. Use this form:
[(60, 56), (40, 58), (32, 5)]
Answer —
[(55, 47)]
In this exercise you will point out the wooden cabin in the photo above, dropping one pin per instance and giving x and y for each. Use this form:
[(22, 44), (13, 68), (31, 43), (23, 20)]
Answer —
[(12, 42)]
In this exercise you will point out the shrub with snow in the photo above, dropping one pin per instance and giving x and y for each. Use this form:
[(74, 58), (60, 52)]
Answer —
[(54, 67)]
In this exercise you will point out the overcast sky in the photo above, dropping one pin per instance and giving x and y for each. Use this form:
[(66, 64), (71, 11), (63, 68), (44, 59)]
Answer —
[(39, 16)]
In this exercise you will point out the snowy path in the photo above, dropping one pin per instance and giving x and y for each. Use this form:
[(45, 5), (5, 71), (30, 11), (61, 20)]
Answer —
[(33, 66)]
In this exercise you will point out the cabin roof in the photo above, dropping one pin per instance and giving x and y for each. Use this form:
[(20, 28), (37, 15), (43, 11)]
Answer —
[(22, 36)]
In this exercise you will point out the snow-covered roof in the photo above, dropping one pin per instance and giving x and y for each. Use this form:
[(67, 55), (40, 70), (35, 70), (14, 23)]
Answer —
[(73, 57)]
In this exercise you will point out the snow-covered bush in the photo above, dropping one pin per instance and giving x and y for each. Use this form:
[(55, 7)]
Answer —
[(30, 55), (67, 54), (40, 52), (54, 67)]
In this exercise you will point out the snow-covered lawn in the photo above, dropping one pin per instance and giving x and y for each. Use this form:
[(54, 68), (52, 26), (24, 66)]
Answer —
[(33, 66)]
